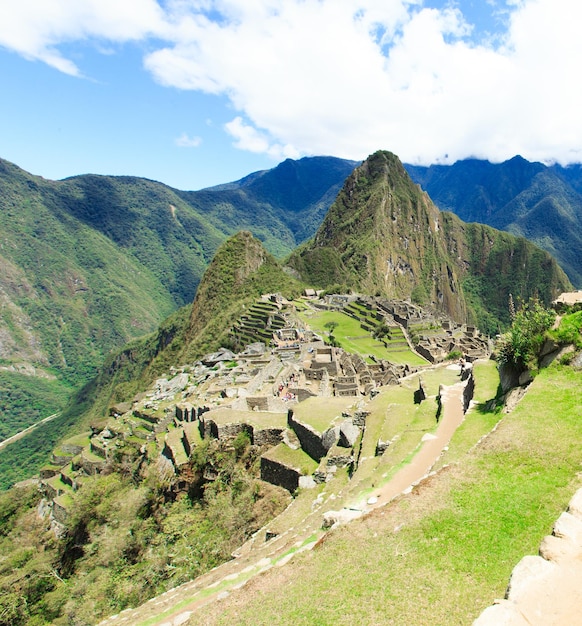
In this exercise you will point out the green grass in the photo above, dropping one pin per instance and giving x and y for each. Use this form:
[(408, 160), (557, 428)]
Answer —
[(25, 400), (354, 339), (257, 419), (320, 413), (480, 418), (294, 458), (443, 554), (174, 439)]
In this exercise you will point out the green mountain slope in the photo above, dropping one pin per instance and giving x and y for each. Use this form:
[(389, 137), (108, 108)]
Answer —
[(90, 262), (384, 235), (282, 207), (543, 204), (240, 272)]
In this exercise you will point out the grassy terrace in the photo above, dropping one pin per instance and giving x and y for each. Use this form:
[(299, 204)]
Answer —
[(394, 417), (294, 458), (353, 338), (479, 420), (257, 419), (78, 440), (320, 413), (442, 554), (174, 440), (192, 433)]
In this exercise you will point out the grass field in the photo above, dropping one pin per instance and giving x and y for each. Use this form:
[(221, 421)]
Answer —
[(442, 554), (353, 338)]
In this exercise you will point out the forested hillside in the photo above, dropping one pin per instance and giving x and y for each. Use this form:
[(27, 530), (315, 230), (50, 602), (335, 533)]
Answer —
[(90, 262), (541, 203)]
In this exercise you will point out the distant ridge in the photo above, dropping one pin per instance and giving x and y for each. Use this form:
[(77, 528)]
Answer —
[(384, 235), (532, 200)]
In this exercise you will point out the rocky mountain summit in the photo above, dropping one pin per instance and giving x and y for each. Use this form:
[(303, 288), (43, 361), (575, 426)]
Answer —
[(384, 235)]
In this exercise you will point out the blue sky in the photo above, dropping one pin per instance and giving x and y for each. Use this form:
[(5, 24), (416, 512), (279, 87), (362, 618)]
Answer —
[(198, 92)]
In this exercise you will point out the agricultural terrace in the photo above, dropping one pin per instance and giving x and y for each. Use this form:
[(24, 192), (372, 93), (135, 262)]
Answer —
[(257, 419), (320, 413), (442, 554), (350, 336)]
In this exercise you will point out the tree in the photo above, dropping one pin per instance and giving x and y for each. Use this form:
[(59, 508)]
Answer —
[(520, 346), (331, 326)]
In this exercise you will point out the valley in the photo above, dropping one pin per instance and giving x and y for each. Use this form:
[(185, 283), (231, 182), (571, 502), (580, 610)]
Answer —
[(352, 380)]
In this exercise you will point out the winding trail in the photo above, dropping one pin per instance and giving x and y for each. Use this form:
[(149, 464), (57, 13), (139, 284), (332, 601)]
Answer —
[(21, 434), (179, 605)]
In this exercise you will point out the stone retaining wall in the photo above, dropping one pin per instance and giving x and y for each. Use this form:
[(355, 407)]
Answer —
[(309, 438), (279, 474), (468, 392), (267, 436)]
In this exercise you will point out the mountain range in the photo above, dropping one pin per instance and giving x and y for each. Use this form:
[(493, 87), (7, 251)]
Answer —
[(91, 262), (532, 200), (141, 491)]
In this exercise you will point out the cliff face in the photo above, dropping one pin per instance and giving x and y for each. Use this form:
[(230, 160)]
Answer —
[(541, 203), (384, 235)]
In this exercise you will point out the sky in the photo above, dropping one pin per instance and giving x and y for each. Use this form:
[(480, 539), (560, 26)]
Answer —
[(195, 93)]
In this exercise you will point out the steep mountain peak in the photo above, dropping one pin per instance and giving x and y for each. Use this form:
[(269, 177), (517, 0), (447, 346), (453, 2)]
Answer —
[(240, 271), (383, 235)]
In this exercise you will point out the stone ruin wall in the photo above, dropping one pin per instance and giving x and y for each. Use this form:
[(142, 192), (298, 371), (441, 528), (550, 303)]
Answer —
[(309, 438), (279, 474)]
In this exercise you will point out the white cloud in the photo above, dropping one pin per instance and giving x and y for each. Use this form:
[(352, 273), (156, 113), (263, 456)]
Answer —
[(185, 141), (346, 77), (248, 138), (36, 28)]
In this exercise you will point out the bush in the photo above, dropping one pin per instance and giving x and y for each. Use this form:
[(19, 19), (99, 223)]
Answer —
[(520, 346)]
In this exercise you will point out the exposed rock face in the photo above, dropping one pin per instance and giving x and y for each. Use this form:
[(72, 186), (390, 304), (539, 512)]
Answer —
[(311, 440)]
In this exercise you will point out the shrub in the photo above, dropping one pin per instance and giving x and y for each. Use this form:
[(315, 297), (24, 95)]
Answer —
[(520, 346)]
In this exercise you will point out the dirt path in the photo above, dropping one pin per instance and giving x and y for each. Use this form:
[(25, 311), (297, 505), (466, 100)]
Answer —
[(213, 585), (21, 434), (429, 452)]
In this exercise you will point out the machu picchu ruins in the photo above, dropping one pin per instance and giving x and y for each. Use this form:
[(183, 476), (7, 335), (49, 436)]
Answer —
[(300, 401)]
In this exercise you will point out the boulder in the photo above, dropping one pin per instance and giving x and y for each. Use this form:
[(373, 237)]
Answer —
[(531, 569), (569, 527), (348, 434), (330, 437), (332, 519), (555, 549), (504, 613), (575, 506)]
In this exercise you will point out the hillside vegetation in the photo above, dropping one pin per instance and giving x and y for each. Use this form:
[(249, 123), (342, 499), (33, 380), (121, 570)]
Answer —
[(91, 262), (384, 235), (532, 200), (130, 534)]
